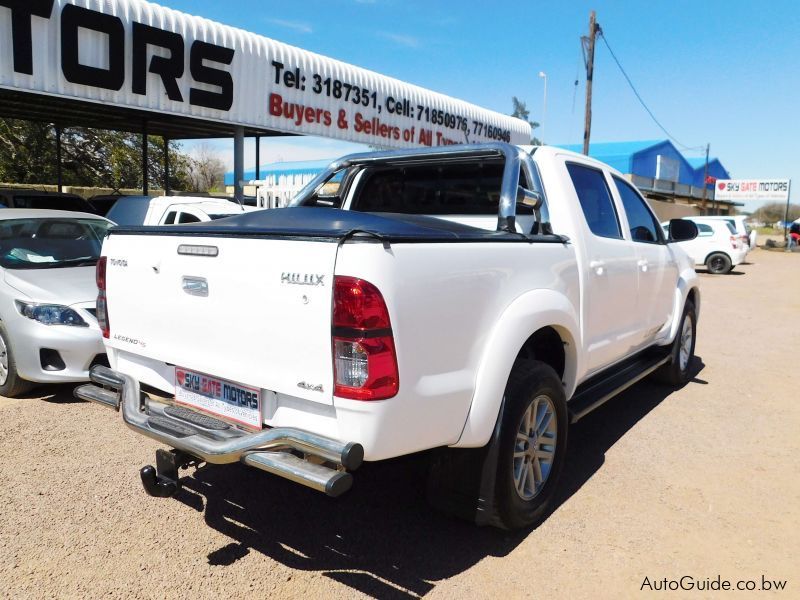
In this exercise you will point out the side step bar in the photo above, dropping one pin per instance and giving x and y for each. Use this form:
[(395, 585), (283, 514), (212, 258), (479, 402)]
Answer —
[(600, 389), (203, 439)]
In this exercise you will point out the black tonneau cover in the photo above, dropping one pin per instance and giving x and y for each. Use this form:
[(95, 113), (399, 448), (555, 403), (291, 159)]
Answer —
[(333, 224)]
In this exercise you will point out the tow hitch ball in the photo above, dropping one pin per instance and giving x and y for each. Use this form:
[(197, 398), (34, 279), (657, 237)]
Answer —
[(162, 481)]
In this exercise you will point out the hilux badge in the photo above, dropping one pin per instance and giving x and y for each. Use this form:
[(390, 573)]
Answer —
[(303, 279)]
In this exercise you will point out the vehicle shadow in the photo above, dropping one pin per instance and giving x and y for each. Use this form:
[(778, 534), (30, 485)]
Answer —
[(55, 393), (382, 538), (709, 274)]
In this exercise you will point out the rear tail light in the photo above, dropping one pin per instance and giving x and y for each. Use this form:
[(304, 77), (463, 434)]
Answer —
[(364, 356), (102, 304), (734, 241)]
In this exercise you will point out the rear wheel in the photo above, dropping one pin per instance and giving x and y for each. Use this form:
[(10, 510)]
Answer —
[(11, 384), (532, 444), (718, 263)]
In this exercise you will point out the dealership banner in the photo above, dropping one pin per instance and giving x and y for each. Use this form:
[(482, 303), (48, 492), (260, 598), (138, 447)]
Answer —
[(138, 55), (752, 189)]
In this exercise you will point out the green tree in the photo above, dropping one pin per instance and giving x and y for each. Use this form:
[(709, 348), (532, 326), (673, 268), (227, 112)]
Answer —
[(521, 112), (90, 157), (776, 211)]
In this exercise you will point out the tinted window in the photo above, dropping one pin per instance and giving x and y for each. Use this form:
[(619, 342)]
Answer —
[(598, 208), (188, 218), (703, 229), (129, 210), (460, 189), (644, 227), (170, 220), (53, 202)]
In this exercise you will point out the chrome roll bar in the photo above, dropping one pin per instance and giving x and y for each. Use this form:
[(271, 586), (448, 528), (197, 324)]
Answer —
[(516, 159)]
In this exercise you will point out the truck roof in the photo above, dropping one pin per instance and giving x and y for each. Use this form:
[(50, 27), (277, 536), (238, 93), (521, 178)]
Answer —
[(41, 213)]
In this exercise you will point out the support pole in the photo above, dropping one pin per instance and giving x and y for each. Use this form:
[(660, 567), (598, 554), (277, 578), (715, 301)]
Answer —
[(145, 160), (238, 164), (587, 125), (59, 174), (167, 189), (705, 180), (786, 216), (258, 157)]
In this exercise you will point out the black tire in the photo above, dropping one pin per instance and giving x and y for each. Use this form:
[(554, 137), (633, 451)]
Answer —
[(718, 263), (14, 385), (677, 373), (530, 380)]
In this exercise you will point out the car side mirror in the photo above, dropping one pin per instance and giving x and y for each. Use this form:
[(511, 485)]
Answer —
[(682, 230)]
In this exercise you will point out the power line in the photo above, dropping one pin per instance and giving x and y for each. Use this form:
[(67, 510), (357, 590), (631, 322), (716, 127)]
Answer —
[(649, 112)]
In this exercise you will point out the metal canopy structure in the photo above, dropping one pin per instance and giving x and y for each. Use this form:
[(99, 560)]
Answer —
[(74, 113), (133, 66)]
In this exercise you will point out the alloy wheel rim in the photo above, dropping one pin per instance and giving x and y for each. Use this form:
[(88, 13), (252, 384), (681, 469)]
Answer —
[(716, 264), (686, 343), (3, 361), (535, 447)]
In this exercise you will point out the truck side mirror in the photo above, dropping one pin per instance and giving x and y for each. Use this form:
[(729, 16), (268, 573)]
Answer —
[(682, 230)]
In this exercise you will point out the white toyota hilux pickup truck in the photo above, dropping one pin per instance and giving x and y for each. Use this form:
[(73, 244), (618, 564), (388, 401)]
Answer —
[(473, 300)]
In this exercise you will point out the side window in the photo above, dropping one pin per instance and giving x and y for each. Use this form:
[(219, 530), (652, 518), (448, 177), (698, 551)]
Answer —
[(598, 208), (188, 218), (170, 220), (704, 230), (644, 227)]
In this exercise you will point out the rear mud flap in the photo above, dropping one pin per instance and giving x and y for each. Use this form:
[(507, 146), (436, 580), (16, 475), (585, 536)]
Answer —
[(462, 481)]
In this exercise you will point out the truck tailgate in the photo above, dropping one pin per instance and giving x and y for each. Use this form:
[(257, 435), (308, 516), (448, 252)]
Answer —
[(258, 313)]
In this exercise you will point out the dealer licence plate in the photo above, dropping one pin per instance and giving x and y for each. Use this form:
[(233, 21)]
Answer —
[(219, 397)]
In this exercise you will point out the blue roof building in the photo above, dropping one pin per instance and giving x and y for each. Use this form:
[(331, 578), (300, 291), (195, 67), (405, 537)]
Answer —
[(673, 183), (654, 159), (278, 169)]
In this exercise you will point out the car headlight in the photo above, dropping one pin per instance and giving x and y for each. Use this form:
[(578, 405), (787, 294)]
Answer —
[(50, 314)]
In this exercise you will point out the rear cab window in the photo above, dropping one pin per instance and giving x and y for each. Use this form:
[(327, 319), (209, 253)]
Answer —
[(470, 188)]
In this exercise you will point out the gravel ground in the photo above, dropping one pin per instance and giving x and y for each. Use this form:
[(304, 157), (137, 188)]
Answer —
[(700, 482)]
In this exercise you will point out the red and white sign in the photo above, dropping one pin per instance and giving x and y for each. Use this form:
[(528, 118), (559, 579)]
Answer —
[(137, 55), (752, 189)]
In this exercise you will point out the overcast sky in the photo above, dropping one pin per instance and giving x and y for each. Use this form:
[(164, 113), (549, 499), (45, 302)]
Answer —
[(718, 72)]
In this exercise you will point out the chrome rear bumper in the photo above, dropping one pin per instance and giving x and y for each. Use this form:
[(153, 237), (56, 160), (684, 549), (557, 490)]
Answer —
[(208, 440)]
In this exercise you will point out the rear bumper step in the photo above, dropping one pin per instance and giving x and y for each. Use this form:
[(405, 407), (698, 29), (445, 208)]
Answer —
[(208, 440)]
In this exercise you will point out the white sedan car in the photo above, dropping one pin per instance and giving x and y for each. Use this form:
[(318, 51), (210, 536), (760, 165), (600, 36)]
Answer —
[(48, 329), (717, 246)]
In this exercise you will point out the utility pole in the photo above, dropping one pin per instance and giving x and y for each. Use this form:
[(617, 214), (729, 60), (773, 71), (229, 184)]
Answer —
[(543, 75), (705, 180), (594, 28)]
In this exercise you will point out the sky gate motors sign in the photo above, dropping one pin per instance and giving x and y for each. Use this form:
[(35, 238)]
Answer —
[(134, 54), (111, 76), (753, 189)]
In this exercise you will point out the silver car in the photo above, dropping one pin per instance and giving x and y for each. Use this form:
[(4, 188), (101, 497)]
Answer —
[(48, 329)]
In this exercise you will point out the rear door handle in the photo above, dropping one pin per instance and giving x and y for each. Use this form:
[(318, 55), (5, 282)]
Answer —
[(643, 265), (598, 266)]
